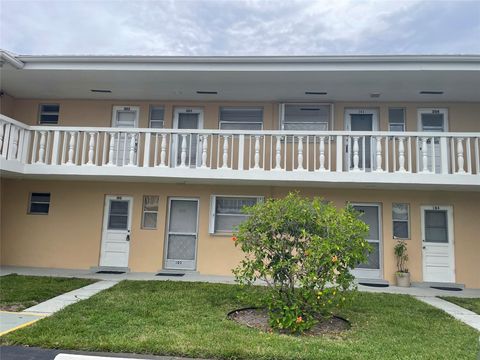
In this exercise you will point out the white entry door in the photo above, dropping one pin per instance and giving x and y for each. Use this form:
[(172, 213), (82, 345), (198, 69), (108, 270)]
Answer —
[(188, 144), (117, 222), (432, 120), (182, 233), (372, 268), (437, 241), (124, 117), (361, 120)]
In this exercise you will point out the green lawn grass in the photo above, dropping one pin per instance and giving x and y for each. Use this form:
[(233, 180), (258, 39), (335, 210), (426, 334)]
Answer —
[(18, 292), (472, 304), (189, 319)]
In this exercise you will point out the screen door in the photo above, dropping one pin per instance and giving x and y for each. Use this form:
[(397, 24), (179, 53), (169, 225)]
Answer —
[(182, 234)]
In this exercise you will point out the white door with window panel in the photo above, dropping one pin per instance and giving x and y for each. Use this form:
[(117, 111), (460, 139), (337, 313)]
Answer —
[(361, 120), (124, 117), (432, 120), (437, 243), (116, 232), (372, 268), (182, 234), (188, 144)]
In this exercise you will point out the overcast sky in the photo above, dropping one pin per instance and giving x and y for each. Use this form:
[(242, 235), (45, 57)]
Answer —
[(232, 27)]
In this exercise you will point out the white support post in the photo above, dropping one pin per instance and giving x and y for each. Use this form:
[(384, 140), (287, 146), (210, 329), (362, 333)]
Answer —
[(356, 158), (444, 154), (12, 149), (257, 153), (91, 145), (131, 150), (2, 132), (183, 155), (300, 154), (321, 157), (339, 154), (71, 145), (41, 150), (225, 152), (204, 151), (379, 153), (146, 150), (460, 159), (401, 154), (241, 151), (278, 154), (424, 155), (163, 151), (111, 149), (55, 147)]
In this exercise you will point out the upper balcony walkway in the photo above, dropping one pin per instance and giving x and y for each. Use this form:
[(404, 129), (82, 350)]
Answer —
[(333, 158)]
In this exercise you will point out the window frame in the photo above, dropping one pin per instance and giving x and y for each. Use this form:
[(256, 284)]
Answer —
[(29, 209), (212, 216), (41, 112), (404, 122), (396, 220), (329, 122), (150, 116), (220, 121), (143, 227)]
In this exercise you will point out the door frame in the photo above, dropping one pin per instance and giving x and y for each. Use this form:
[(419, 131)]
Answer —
[(176, 112), (451, 238), (348, 127), (435, 110), (167, 231), (106, 213), (377, 273), (118, 108)]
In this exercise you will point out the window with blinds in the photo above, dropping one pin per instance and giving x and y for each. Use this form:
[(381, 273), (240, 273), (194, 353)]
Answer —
[(241, 118), (308, 117), (150, 211), (157, 114), (396, 119), (227, 212), (401, 221)]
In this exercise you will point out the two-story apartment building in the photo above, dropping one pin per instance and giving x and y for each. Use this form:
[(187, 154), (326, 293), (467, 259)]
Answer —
[(143, 163)]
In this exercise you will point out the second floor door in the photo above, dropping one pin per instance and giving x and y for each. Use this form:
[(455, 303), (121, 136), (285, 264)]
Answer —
[(186, 144), (125, 143), (431, 120), (360, 149)]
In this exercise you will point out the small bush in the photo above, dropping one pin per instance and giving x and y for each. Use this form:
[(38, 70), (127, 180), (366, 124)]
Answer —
[(304, 250)]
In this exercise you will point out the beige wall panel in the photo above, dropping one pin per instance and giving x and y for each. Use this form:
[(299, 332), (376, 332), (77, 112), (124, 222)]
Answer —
[(70, 236)]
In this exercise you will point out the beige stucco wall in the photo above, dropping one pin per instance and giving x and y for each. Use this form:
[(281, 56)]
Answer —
[(7, 105), (70, 235), (462, 116)]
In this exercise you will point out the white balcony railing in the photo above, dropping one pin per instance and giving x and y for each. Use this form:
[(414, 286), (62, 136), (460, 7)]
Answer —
[(272, 155)]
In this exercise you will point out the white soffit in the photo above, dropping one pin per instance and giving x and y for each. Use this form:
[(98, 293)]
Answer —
[(349, 78)]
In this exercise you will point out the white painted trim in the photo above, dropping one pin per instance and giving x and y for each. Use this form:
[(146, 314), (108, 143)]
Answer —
[(212, 213), (116, 109), (451, 238), (438, 110), (106, 214), (373, 273), (167, 231), (361, 111)]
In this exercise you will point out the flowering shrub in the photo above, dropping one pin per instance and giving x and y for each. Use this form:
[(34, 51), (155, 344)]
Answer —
[(304, 250)]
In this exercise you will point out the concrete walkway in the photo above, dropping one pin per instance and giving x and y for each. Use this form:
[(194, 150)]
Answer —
[(59, 302), (11, 321), (466, 316)]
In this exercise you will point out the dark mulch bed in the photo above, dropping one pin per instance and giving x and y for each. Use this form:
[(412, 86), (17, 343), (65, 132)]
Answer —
[(258, 319)]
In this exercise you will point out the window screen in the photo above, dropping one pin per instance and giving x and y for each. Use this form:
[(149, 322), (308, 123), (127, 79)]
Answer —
[(396, 119), (48, 114), (150, 212), (241, 118), (39, 203), (306, 117), (118, 215), (436, 226), (157, 114), (401, 219), (228, 212)]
